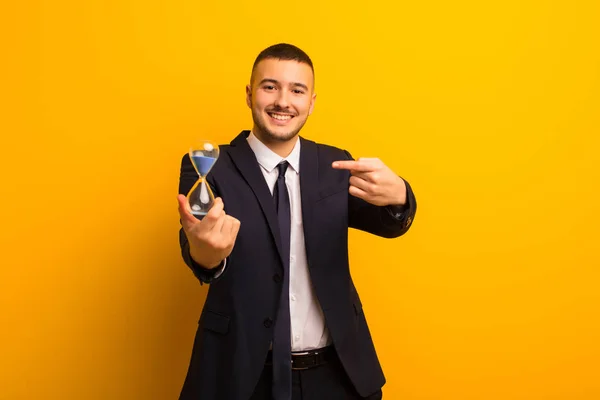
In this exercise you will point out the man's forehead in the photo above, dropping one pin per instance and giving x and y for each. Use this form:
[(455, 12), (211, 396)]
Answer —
[(271, 68)]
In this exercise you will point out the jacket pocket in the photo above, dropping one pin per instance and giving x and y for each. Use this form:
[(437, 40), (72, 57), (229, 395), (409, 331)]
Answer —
[(331, 190), (215, 322)]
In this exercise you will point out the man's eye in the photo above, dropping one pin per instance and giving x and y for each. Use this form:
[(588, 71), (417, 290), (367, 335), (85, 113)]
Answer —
[(269, 87), (298, 91)]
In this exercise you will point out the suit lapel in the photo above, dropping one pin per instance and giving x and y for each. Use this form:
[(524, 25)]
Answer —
[(244, 159), (309, 186)]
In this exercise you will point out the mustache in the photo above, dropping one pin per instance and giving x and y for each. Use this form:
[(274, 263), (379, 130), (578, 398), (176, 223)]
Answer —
[(281, 111)]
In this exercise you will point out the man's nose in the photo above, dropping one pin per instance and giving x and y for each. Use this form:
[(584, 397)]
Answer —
[(282, 99)]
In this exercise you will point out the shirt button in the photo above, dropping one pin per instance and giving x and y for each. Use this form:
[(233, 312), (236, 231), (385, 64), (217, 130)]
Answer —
[(293, 298), (292, 259), (268, 322), (277, 278), (297, 338)]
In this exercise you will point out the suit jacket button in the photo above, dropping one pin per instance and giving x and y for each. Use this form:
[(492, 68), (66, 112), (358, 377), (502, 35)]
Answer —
[(268, 322), (277, 278)]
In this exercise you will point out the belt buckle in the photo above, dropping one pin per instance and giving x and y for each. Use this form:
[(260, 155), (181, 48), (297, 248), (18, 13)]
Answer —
[(298, 368), (307, 355)]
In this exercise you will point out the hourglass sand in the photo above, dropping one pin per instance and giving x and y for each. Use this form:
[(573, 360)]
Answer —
[(201, 198)]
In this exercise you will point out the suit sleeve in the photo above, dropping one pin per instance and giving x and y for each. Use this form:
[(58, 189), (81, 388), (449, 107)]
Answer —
[(386, 221), (187, 179)]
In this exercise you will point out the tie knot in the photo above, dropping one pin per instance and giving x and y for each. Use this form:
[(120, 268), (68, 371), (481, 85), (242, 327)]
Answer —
[(282, 167)]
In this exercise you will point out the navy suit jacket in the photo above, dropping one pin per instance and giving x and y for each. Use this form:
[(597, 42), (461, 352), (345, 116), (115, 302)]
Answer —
[(236, 323)]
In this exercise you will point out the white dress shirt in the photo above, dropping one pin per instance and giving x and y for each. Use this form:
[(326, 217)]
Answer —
[(308, 327)]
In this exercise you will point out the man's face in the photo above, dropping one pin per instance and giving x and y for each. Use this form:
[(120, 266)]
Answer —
[(281, 97)]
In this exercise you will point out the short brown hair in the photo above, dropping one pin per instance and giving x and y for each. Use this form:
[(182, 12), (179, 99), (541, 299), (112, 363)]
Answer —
[(284, 51)]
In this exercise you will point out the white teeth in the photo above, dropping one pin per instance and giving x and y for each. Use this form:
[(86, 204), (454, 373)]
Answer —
[(281, 117)]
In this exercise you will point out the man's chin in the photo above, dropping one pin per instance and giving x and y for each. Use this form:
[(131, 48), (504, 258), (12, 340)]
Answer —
[(281, 135), (276, 133)]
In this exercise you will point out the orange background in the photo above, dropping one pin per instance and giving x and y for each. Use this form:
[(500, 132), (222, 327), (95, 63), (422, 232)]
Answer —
[(489, 109)]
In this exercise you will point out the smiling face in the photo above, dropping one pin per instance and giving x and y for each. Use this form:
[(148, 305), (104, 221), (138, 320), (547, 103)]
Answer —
[(281, 97)]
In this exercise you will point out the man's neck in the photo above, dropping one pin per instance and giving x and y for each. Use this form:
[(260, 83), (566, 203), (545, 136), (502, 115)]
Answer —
[(281, 148)]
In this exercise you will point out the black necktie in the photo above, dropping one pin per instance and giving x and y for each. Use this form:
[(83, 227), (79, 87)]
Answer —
[(282, 345)]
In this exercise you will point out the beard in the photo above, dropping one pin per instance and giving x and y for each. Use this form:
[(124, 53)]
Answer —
[(268, 134)]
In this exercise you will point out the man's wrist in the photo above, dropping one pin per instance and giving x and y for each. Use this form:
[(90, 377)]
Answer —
[(206, 264), (402, 195)]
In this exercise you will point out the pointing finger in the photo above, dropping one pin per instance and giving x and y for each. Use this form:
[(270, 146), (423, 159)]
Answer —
[(350, 165)]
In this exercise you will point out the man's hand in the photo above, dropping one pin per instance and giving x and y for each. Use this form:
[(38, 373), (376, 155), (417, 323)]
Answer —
[(372, 181), (212, 238)]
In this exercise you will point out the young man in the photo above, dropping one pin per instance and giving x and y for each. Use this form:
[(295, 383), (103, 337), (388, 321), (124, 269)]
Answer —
[(283, 319)]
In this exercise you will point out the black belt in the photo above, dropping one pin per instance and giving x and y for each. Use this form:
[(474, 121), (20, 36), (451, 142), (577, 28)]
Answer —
[(308, 359)]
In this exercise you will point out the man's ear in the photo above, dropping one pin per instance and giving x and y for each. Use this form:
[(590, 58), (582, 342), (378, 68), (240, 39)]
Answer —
[(249, 95), (312, 103)]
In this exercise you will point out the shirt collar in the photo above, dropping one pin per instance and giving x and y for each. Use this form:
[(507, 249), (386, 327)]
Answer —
[(269, 159)]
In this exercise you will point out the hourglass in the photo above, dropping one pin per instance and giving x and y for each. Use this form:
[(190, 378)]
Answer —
[(203, 155)]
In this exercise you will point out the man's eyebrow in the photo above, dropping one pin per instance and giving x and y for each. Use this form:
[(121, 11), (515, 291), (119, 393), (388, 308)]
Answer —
[(302, 85), (270, 80), (276, 82)]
